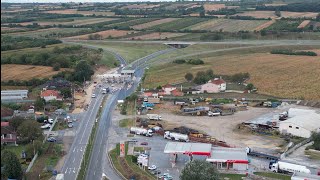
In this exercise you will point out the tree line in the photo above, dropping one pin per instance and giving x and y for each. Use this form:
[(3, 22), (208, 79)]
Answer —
[(189, 61), (290, 52), (12, 43)]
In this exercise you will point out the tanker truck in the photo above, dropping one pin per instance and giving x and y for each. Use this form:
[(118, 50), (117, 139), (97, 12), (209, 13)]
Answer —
[(176, 136), (141, 131)]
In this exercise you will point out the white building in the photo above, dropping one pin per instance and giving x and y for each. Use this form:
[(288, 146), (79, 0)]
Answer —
[(14, 94), (229, 158), (301, 122)]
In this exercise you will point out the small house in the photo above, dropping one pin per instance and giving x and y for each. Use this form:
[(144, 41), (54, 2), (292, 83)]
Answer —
[(168, 89), (214, 86), (49, 95), (8, 135)]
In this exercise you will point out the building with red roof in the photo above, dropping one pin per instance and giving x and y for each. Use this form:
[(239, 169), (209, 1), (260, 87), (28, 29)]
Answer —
[(168, 88), (214, 86), (8, 135), (49, 95)]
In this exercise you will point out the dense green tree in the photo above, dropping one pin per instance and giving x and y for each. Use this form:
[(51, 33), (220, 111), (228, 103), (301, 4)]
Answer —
[(188, 77), (56, 66), (316, 140), (250, 87), (66, 92), (40, 103), (209, 73), (11, 166), (16, 122), (29, 130), (199, 170), (83, 71)]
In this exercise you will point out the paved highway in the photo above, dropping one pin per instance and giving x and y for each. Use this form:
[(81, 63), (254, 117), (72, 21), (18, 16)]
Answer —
[(99, 163), (256, 42), (72, 164)]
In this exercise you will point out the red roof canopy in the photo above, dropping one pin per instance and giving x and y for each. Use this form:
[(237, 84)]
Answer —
[(49, 93), (218, 81)]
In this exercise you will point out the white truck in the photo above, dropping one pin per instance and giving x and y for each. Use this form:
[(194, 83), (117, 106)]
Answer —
[(154, 117), (285, 167), (210, 113), (60, 177), (176, 136), (141, 131)]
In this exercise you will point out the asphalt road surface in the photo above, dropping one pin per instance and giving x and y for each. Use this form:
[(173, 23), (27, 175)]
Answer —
[(99, 163), (72, 164)]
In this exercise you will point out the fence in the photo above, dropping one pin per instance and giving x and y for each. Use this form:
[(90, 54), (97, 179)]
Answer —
[(295, 147)]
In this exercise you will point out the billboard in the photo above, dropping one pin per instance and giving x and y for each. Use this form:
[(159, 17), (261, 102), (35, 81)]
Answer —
[(122, 149)]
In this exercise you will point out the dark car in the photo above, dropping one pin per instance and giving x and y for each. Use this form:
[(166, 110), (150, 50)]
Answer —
[(144, 143)]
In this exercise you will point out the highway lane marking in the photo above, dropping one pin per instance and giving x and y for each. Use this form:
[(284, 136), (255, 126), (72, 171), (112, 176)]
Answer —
[(74, 149), (73, 160), (81, 148)]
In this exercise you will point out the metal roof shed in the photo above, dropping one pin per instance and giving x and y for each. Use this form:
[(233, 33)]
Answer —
[(234, 155), (188, 148)]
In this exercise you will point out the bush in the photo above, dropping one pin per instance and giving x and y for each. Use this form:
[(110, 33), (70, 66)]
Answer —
[(195, 61), (179, 61)]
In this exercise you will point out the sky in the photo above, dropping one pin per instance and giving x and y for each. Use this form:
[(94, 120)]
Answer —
[(55, 1)]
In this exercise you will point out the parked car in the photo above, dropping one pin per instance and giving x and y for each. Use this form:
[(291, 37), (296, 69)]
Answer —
[(49, 121), (133, 140), (144, 143), (155, 172), (93, 95), (149, 108), (153, 167), (51, 139), (46, 126), (70, 125)]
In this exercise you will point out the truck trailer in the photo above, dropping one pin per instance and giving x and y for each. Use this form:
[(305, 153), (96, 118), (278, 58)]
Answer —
[(286, 167), (154, 117), (141, 131), (176, 136)]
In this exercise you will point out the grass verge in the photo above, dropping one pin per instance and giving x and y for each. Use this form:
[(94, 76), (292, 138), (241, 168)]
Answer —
[(126, 123), (88, 150), (273, 175), (313, 154), (232, 176)]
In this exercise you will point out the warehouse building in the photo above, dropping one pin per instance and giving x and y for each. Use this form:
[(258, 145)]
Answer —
[(14, 94), (301, 122), (229, 158)]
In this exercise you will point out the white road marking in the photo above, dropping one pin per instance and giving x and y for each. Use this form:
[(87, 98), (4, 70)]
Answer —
[(73, 160), (81, 148), (66, 171), (74, 149)]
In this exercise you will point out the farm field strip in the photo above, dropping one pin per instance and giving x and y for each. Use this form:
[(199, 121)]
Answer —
[(77, 22), (265, 25), (134, 22), (104, 34), (229, 25), (304, 24), (49, 32), (26, 72), (153, 23), (157, 36), (258, 14), (74, 11), (288, 14), (178, 24), (213, 7)]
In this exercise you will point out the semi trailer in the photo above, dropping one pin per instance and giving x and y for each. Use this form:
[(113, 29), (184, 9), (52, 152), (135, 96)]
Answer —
[(154, 117), (287, 167), (176, 136)]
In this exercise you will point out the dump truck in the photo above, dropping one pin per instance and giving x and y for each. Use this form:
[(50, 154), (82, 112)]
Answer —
[(154, 117), (141, 131), (176, 136)]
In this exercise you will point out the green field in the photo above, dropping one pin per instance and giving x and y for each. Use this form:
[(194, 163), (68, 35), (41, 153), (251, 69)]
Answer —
[(178, 24), (228, 25), (133, 22), (129, 51), (232, 176)]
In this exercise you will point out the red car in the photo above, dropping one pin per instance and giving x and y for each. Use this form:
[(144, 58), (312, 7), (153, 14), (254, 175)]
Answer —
[(144, 143)]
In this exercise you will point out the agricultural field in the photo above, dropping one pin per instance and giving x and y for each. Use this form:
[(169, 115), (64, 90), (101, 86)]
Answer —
[(153, 23), (288, 14), (70, 21), (132, 22), (265, 25), (74, 11), (178, 24), (213, 7), (157, 36), (258, 14), (104, 34), (304, 24), (228, 25), (140, 6), (280, 25), (26, 72), (279, 70), (53, 32)]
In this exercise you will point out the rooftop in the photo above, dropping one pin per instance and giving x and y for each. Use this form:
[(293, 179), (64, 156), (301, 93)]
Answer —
[(217, 81), (306, 118), (3, 124), (14, 91), (188, 148), (219, 154), (47, 93)]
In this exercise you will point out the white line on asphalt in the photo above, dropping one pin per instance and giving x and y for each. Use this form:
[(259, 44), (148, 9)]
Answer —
[(81, 148), (66, 171), (73, 160), (74, 149)]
